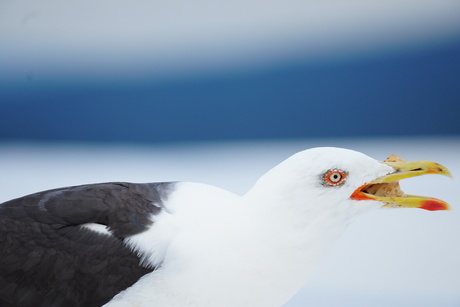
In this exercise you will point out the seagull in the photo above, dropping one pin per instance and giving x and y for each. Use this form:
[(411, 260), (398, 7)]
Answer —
[(190, 244)]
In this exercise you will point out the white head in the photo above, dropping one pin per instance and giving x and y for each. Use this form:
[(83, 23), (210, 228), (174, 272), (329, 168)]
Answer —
[(319, 179), (327, 179)]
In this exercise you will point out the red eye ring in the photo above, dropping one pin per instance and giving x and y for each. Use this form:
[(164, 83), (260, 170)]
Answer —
[(334, 177)]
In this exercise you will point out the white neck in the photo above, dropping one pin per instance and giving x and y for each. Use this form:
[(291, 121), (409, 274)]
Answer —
[(296, 240)]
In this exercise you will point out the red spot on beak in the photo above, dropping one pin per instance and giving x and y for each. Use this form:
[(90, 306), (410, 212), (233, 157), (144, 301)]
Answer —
[(434, 205)]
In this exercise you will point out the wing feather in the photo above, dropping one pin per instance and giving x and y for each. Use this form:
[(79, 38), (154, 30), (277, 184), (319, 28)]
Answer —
[(48, 259)]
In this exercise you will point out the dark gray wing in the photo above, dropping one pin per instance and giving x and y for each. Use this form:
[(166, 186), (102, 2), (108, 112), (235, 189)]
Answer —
[(48, 259)]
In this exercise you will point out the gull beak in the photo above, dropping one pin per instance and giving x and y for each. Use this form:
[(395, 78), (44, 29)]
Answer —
[(386, 188)]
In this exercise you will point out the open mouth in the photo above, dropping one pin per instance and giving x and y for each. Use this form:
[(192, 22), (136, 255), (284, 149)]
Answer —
[(387, 190), (390, 189)]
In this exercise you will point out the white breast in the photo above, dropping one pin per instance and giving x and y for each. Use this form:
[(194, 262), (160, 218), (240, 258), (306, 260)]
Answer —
[(219, 251)]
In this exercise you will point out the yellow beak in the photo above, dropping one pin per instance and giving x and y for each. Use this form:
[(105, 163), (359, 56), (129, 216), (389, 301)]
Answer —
[(386, 188)]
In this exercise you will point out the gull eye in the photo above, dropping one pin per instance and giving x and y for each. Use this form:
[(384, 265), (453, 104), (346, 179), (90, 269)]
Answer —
[(334, 177)]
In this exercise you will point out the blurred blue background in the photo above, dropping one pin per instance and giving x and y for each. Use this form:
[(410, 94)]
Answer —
[(149, 71)]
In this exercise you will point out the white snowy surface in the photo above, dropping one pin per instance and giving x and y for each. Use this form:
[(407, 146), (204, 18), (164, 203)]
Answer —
[(393, 257)]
